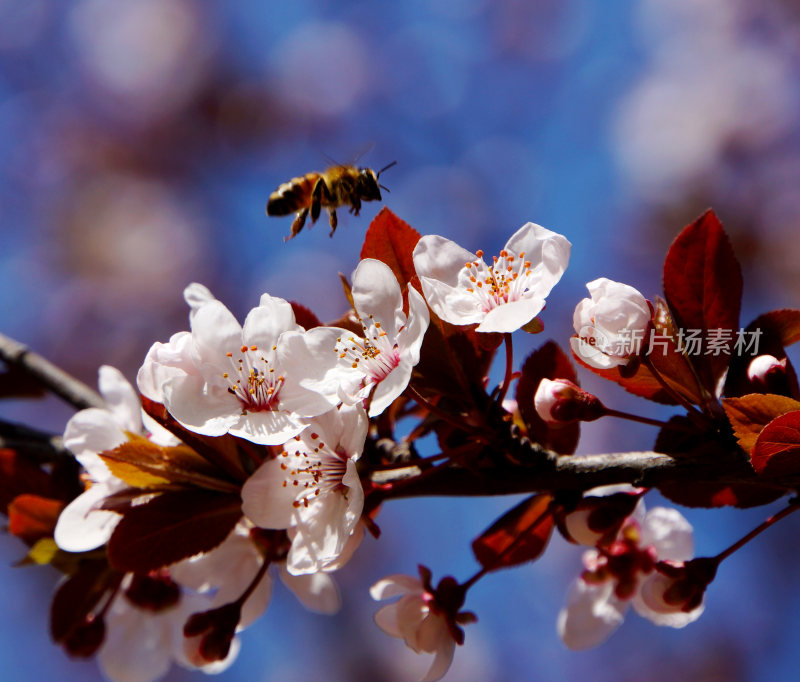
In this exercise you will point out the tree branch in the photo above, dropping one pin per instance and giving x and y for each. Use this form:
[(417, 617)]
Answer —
[(539, 470), (56, 380)]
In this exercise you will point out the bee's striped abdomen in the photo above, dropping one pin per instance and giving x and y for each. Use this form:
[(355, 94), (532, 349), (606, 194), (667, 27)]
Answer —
[(292, 196)]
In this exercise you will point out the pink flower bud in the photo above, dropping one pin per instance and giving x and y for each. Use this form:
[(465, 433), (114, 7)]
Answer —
[(765, 370), (559, 401)]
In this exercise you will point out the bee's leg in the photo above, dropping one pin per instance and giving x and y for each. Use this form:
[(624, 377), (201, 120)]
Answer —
[(297, 224), (320, 190), (334, 220), (355, 205)]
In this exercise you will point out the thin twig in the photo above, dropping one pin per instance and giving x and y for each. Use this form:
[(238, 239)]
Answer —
[(66, 387), (38, 446)]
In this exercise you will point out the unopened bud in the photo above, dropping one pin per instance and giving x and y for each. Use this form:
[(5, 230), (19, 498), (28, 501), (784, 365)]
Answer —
[(768, 373), (559, 401)]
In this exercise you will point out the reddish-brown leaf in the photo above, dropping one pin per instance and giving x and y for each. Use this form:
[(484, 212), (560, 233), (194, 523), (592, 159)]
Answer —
[(392, 241), (304, 316), (777, 449), (784, 324), (173, 526), (520, 535), (32, 517), (715, 494), (548, 362), (703, 286), (78, 595), (641, 382), (749, 414), (19, 476)]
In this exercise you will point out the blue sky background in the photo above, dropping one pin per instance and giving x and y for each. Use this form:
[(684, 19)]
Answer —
[(141, 140)]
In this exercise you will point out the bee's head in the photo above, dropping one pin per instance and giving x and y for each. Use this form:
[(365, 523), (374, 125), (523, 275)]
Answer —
[(370, 188)]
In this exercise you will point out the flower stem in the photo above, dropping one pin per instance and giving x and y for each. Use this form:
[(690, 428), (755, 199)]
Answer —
[(509, 368), (793, 506), (634, 418)]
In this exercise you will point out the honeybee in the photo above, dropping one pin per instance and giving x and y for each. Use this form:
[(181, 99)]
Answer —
[(337, 186)]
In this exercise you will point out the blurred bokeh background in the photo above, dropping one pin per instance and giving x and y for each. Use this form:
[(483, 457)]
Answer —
[(140, 140)]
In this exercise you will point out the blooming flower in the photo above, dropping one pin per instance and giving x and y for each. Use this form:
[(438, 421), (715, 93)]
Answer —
[(144, 631), (461, 289), (244, 380), (610, 325), (313, 488), (427, 619), (382, 359), (82, 525), (618, 574)]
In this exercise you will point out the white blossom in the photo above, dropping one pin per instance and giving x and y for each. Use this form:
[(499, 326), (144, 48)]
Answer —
[(610, 326), (312, 488), (617, 576), (244, 380), (461, 289)]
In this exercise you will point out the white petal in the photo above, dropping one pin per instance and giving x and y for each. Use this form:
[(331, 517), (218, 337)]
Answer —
[(442, 660), (389, 388), (673, 619), (376, 292), (386, 618), (267, 322), (137, 645), (547, 251), (409, 339), (121, 399), (265, 500), (593, 356), (308, 361), (81, 526), (394, 585), (92, 431), (215, 332), (266, 428), (592, 613), (511, 316), (206, 412), (439, 263), (163, 361), (196, 295), (669, 531), (316, 591), (281, 310)]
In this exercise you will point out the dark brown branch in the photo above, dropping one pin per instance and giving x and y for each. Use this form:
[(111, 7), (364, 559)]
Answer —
[(544, 471), (56, 380), (35, 445)]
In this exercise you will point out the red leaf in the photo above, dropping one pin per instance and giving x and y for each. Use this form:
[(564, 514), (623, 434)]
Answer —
[(31, 517), (173, 526), (641, 382), (520, 535), (304, 316), (783, 324), (708, 494), (548, 362), (777, 450), (19, 476), (749, 414), (703, 286), (78, 595), (392, 241)]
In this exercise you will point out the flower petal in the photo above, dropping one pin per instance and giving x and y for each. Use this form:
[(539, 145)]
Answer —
[(441, 661), (316, 591), (266, 501), (264, 324), (120, 398), (511, 316), (81, 526), (669, 532), (376, 292), (591, 615)]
